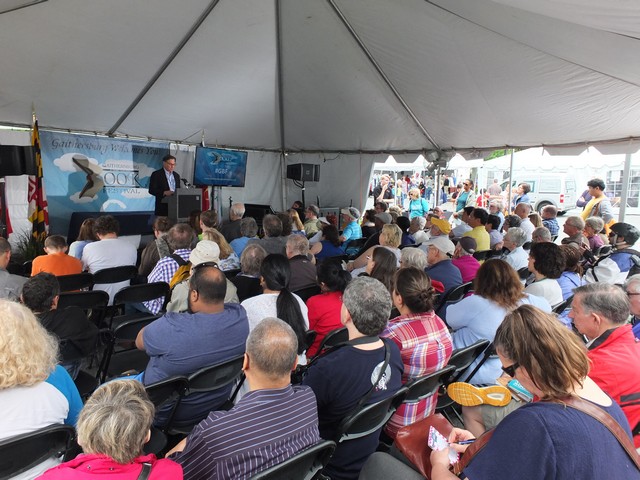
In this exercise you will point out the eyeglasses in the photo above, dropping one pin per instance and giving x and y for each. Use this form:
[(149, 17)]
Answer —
[(466, 184), (511, 369), (631, 294)]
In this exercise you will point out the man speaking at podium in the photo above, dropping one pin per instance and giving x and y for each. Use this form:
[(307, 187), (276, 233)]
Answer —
[(163, 183)]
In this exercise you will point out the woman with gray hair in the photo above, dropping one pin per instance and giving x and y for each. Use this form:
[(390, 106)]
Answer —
[(593, 227), (112, 429), (247, 282)]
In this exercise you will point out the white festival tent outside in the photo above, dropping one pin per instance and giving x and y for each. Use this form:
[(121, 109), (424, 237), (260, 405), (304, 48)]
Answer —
[(340, 83)]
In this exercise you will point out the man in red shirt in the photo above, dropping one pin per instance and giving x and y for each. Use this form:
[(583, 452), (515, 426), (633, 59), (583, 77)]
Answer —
[(600, 312)]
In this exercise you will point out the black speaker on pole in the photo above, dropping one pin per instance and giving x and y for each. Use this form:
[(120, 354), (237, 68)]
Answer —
[(305, 172)]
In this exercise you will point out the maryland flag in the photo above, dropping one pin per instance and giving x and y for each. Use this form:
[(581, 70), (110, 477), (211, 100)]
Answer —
[(38, 211)]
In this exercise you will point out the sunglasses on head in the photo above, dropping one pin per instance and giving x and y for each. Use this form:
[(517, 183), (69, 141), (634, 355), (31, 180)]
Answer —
[(511, 369), (205, 264)]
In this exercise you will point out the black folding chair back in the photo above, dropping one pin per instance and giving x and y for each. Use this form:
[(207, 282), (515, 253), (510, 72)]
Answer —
[(121, 353), (424, 387), (19, 454), (452, 296), (306, 293), (216, 376), (460, 359), (76, 281), (309, 338), (366, 420), (334, 338), (482, 254), (93, 302), (231, 273), (167, 390), (524, 273), (115, 274), (563, 306), (302, 466), (141, 293)]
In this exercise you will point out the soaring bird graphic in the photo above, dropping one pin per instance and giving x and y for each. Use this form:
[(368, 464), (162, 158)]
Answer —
[(94, 182)]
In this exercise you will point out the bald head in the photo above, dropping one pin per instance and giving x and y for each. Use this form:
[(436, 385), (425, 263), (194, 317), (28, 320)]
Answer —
[(522, 210), (272, 348)]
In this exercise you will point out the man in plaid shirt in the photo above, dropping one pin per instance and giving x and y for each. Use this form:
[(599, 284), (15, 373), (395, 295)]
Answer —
[(179, 238)]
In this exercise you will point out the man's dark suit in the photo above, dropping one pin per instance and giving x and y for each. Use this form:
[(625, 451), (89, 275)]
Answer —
[(158, 184)]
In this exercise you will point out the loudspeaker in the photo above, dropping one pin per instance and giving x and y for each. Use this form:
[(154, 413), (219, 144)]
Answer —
[(306, 172)]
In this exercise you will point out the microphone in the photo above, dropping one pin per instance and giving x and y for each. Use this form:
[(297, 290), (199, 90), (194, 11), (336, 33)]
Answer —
[(186, 183)]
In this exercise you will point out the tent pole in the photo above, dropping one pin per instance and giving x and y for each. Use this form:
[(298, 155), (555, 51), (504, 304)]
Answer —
[(378, 68), (625, 187), (510, 187), (283, 155), (163, 67)]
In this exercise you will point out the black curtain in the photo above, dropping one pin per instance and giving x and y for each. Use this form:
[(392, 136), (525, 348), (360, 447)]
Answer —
[(17, 160)]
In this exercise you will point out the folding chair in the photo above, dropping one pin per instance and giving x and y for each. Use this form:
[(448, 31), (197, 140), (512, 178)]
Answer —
[(453, 296), (482, 255), (461, 359), (302, 466), (558, 309), (19, 454), (121, 348), (306, 293), (421, 388), (161, 393), (136, 294), (309, 338), (93, 302), (524, 273), (334, 338), (366, 420), (76, 281), (115, 274), (207, 379), (231, 273)]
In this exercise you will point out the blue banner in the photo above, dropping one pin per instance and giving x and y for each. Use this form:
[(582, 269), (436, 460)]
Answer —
[(93, 174)]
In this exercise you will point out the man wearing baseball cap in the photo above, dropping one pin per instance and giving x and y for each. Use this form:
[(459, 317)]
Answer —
[(206, 251), (440, 227), (439, 252), (352, 231)]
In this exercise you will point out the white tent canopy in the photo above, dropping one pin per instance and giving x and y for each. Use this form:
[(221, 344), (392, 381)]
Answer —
[(340, 83), (334, 75)]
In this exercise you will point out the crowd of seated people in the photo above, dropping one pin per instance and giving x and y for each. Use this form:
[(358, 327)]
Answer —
[(391, 292)]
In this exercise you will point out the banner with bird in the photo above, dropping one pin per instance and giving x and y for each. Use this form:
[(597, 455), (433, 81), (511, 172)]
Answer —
[(87, 173)]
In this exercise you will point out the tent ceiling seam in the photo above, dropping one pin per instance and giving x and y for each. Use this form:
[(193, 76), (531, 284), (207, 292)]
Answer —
[(454, 149), (164, 66), (380, 71), (571, 62)]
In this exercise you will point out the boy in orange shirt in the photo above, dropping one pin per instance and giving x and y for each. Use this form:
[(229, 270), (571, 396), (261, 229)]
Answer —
[(56, 261)]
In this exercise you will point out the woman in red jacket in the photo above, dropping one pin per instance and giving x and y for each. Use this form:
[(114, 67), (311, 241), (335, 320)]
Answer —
[(112, 429)]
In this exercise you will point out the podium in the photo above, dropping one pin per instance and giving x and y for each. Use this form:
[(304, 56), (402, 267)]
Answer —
[(182, 203)]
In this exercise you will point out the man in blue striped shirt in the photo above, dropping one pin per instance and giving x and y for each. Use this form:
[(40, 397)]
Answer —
[(271, 423)]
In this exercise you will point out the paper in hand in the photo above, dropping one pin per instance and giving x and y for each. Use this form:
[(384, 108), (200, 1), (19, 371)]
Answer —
[(437, 442)]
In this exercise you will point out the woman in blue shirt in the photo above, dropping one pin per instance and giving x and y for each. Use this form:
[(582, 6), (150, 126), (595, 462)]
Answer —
[(418, 207)]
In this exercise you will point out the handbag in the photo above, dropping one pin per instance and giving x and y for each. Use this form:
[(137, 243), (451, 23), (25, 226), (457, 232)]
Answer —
[(411, 441)]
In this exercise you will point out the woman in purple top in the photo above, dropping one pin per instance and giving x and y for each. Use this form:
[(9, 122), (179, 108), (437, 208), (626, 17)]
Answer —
[(464, 260)]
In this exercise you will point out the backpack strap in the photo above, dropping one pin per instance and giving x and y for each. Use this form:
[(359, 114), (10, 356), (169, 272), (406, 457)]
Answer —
[(179, 260), (146, 471)]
